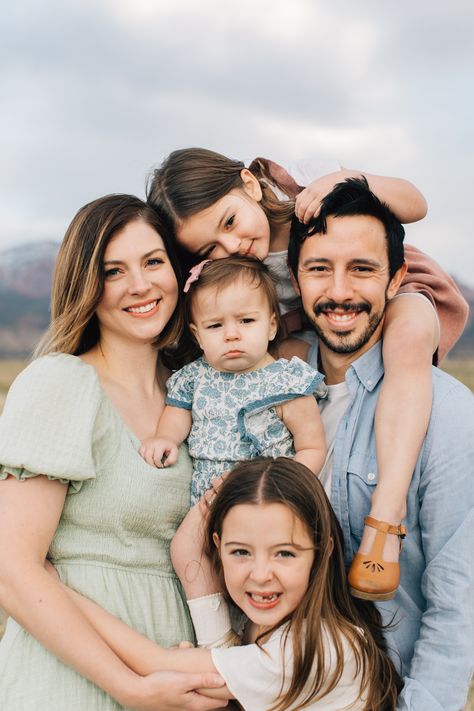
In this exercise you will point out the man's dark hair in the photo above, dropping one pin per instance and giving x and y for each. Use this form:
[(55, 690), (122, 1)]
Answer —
[(352, 197)]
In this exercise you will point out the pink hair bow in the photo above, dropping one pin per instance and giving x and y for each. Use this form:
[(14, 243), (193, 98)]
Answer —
[(194, 274)]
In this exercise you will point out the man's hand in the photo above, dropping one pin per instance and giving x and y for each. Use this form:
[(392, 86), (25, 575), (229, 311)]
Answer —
[(175, 691), (154, 449)]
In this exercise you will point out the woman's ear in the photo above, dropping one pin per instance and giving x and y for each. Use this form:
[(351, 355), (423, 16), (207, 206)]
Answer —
[(217, 540), (250, 184)]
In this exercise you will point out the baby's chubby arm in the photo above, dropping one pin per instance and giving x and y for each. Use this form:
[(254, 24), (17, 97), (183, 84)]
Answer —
[(173, 428), (403, 198), (301, 417)]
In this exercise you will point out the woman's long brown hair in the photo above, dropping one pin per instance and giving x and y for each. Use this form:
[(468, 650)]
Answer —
[(78, 279), (327, 604)]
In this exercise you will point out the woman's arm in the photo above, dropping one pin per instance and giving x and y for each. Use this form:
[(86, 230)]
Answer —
[(137, 651), (403, 198), (29, 514)]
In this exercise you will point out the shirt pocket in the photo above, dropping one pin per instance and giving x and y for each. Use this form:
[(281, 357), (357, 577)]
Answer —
[(362, 477)]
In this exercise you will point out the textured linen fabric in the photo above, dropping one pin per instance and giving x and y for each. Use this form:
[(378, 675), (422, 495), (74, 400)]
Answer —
[(112, 541), (254, 674), (233, 414)]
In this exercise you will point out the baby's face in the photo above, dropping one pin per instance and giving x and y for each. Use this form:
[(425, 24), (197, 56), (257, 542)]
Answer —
[(267, 554), (235, 224), (233, 326)]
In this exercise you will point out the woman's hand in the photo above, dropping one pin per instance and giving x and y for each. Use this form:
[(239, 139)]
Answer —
[(175, 691)]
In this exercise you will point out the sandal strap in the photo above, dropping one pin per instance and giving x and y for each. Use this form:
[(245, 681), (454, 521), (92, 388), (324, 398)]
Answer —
[(385, 527)]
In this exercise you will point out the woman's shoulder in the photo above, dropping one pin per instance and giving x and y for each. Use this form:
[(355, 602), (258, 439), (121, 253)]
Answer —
[(55, 382)]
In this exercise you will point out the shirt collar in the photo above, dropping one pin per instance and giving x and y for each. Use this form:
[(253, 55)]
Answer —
[(366, 370)]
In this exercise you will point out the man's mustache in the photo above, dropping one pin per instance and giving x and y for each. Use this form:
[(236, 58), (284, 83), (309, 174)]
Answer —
[(333, 306)]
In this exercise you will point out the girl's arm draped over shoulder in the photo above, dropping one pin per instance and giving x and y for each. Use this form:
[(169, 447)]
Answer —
[(403, 198)]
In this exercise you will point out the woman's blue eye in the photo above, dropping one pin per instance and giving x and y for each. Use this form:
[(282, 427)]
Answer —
[(154, 262), (109, 273)]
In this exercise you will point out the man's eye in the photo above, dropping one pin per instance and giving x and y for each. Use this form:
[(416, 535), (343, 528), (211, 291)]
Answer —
[(317, 268), (364, 270)]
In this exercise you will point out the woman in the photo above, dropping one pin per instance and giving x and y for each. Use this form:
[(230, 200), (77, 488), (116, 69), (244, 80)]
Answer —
[(73, 486)]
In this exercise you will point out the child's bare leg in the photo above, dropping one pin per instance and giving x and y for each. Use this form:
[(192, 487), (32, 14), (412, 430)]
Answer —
[(209, 610), (410, 337)]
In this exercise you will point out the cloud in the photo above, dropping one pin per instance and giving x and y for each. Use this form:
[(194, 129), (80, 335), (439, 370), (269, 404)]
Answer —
[(97, 91)]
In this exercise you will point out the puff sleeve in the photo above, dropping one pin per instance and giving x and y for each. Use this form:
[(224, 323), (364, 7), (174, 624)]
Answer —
[(48, 423), (180, 386)]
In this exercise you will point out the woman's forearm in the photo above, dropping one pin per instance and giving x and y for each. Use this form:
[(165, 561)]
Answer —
[(134, 649), (41, 606)]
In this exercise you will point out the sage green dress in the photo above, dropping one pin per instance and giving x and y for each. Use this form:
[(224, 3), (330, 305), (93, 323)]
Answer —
[(112, 542)]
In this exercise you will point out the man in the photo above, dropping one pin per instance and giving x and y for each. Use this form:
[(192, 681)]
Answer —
[(347, 263)]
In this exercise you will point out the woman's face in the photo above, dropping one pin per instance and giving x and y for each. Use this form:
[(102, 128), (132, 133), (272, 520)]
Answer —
[(140, 287)]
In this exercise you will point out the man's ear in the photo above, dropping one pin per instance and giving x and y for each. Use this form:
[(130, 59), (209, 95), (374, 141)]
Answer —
[(294, 282), (194, 331), (396, 280), (251, 185)]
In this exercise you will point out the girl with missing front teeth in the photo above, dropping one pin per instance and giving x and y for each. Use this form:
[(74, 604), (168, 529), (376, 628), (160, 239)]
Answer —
[(272, 538), (219, 207)]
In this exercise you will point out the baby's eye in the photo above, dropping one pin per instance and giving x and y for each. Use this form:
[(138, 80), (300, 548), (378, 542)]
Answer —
[(247, 320), (213, 325)]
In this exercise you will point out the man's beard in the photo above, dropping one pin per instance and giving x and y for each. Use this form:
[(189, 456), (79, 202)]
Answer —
[(343, 342)]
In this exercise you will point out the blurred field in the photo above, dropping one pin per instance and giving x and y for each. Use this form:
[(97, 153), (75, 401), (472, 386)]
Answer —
[(460, 368)]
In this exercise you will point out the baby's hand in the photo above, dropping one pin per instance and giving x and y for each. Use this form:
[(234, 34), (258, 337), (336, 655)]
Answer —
[(308, 201), (155, 449)]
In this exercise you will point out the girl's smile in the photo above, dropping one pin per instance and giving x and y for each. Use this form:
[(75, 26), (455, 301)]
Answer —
[(267, 556)]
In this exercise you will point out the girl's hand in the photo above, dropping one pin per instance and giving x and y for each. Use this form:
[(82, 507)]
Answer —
[(159, 452), (175, 691), (308, 201)]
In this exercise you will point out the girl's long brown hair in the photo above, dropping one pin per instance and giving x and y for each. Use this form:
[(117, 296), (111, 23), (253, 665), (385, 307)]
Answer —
[(78, 279), (193, 179), (327, 603)]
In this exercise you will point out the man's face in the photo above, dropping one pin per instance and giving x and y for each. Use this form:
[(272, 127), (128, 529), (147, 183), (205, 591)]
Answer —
[(343, 277)]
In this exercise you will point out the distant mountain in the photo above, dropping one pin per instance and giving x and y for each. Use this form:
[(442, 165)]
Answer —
[(25, 286), (25, 283)]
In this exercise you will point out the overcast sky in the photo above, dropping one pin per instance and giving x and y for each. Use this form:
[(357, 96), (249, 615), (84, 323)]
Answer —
[(94, 93)]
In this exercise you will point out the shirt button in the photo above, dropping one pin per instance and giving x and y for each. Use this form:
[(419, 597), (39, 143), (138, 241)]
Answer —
[(369, 382), (371, 476)]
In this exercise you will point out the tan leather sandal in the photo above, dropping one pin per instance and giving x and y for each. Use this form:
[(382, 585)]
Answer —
[(370, 576)]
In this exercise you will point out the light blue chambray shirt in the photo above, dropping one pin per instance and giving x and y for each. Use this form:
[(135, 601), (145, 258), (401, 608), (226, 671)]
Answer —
[(433, 630)]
